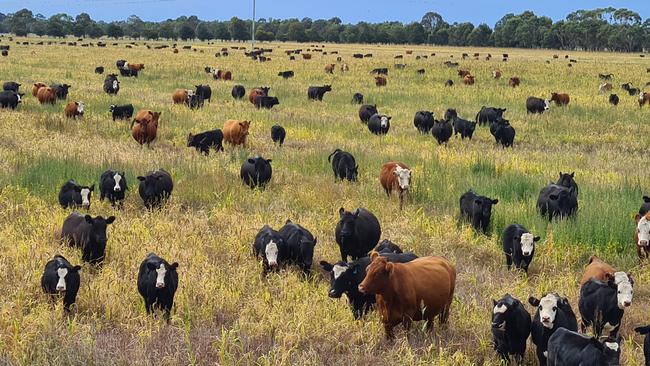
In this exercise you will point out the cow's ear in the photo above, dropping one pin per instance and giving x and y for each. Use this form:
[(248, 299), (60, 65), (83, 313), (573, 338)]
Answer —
[(356, 213), (173, 266), (494, 302), (495, 201), (269, 160), (251, 161), (141, 178), (646, 199), (341, 211), (89, 219), (533, 301), (76, 268), (92, 188), (325, 265), (573, 174), (315, 241), (110, 220), (373, 255), (536, 238), (389, 267), (630, 278), (637, 217)]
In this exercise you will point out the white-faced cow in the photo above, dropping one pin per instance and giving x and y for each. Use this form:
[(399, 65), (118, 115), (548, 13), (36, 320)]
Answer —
[(518, 246), (61, 278), (157, 283), (553, 312), (510, 328)]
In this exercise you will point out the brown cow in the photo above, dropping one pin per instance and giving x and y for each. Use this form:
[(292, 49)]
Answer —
[(597, 269), (395, 176), (642, 236), (496, 74), (306, 56), (180, 96), (605, 87), (226, 75), (380, 81), (330, 68), (560, 98), (74, 110), (144, 127), (418, 290), (468, 80), (135, 67), (514, 82), (258, 92), (463, 73), (36, 87), (235, 131), (345, 67), (644, 99), (46, 95)]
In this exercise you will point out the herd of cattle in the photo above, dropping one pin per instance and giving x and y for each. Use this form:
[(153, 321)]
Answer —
[(401, 286)]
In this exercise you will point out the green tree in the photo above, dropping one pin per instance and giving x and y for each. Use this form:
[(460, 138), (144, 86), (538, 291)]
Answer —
[(238, 29), (480, 36), (203, 32), (20, 21), (416, 33), (115, 31), (297, 32), (186, 32), (167, 30)]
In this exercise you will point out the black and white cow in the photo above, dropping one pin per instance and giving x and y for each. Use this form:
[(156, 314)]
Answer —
[(205, 140), (645, 330), (61, 277), (511, 326), (112, 185), (270, 247), (121, 111), (553, 312), (567, 348), (423, 121), (111, 84), (366, 111), (477, 210), (87, 233), (536, 105), (301, 245), (379, 124), (557, 201), (356, 233), (317, 92), (157, 284), (602, 304), (10, 99), (155, 187), (518, 246), (278, 134), (489, 115), (343, 165), (75, 195)]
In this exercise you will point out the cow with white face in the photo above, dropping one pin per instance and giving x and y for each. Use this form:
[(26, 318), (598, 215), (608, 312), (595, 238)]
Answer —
[(518, 246), (112, 185), (602, 303), (157, 283), (396, 176), (510, 328), (642, 236), (553, 312), (61, 278), (74, 195), (379, 124), (270, 247)]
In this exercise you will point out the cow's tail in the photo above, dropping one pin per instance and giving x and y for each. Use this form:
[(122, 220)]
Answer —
[(329, 158), (478, 114)]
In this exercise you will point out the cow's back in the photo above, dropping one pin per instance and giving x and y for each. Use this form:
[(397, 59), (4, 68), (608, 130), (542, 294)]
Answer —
[(597, 269), (428, 280)]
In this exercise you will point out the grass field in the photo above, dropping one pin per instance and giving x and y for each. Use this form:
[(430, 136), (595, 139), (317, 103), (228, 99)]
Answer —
[(225, 312)]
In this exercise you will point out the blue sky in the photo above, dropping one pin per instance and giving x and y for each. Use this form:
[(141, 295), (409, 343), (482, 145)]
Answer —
[(350, 11)]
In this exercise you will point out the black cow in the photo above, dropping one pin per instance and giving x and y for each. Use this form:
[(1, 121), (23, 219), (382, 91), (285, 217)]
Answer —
[(270, 246), (488, 115), (557, 201), (518, 246), (357, 55), (380, 71), (121, 111), (613, 99), (646, 342), (157, 283), (266, 102), (11, 86), (602, 303), (99, 70), (387, 246), (366, 111), (10, 99), (477, 209), (127, 73), (379, 124), (462, 126), (503, 132), (357, 98), (423, 121), (278, 133), (301, 245), (204, 92), (256, 171), (536, 105), (356, 233), (205, 140), (449, 82), (567, 180), (87, 233), (511, 326), (553, 312), (112, 185), (75, 195), (345, 278), (571, 348), (286, 74), (155, 187), (120, 63), (194, 101), (238, 91), (442, 131), (61, 90), (111, 84), (61, 277), (317, 92), (645, 207), (343, 165)]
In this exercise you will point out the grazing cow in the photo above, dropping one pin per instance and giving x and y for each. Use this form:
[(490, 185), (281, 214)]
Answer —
[(144, 127), (36, 87), (489, 115), (235, 131), (379, 124), (301, 245), (286, 74), (204, 92), (496, 74), (112, 185), (87, 233), (423, 121), (278, 133), (442, 131), (421, 71), (449, 82), (503, 132), (605, 76), (306, 56), (602, 303), (11, 86), (356, 233), (645, 330), (553, 312), (10, 99), (345, 278), (630, 90), (536, 105), (357, 55), (396, 176), (510, 328), (343, 165), (560, 99), (605, 87), (613, 99), (181, 96), (205, 140), (270, 246), (557, 201), (266, 102), (572, 348), (46, 95), (366, 111), (518, 246), (380, 71), (61, 278), (387, 246), (256, 172), (74, 110), (463, 73), (462, 126), (514, 82), (644, 99), (642, 233), (155, 187), (226, 75), (380, 81), (357, 98), (477, 209), (73, 195), (121, 111), (134, 67), (344, 67), (61, 90), (238, 91), (256, 92), (567, 180), (317, 92), (418, 290), (111, 84), (329, 68), (597, 269), (468, 80), (157, 284)]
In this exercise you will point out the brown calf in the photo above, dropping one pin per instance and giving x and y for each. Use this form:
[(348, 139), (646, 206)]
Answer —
[(36, 87), (496, 74), (330, 68), (235, 132), (258, 92), (180, 96), (74, 110), (514, 82), (468, 80), (605, 87), (644, 99), (395, 176), (46, 95), (136, 67), (226, 75), (463, 73), (306, 56), (380, 81), (597, 269), (145, 127), (560, 98)]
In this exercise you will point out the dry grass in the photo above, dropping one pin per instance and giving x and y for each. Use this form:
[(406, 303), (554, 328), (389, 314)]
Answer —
[(225, 313)]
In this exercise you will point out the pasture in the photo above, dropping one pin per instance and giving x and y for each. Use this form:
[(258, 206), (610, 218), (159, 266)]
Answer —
[(225, 311)]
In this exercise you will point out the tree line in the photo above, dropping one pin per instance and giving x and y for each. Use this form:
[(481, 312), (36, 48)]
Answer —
[(607, 29)]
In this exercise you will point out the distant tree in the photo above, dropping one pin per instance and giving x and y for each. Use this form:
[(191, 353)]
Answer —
[(19, 22), (480, 36), (459, 33), (297, 32), (114, 31), (220, 31), (416, 33), (167, 30), (186, 32), (203, 32), (238, 29), (262, 35), (82, 24)]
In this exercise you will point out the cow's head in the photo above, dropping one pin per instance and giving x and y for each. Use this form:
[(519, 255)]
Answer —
[(163, 270), (342, 277), (243, 128), (611, 350), (98, 230), (116, 84), (547, 308), (484, 205), (62, 271), (347, 222), (384, 121), (86, 193), (527, 242), (119, 178), (403, 177), (624, 289), (501, 309), (547, 104), (566, 180), (80, 107), (377, 275), (643, 230), (451, 114)]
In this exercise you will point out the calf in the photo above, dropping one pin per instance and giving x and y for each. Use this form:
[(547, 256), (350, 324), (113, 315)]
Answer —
[(256, 172), (301, 245), (74, 110), (644, 98), (111, 84), (46, 95), (204, 92), (61, 278), (235, 131), (317, 92), (11, 86), (496, 74), (36, 87), (380, 81), (270, 246), (560, 99), (10, 99), (343, 165), (181, 96), (571, 348), (553, 312), (463, 73), (489, 115), (128, 73), (395, 176), (329, 68), (73, 195), (536, 105), (286, 74), (605, 87), (418, 290), (602, 303), (144, 127), (157, 284), (468, 80), (278, 133), (356, 233), (366, 111), (518, 246), (510, 328), (642, 234), (463, 126), (344, 67), (477, 210), (357, 98), (423, 121), (514, 82), (255, 92), (379, 124), (645, 330), (442, 131), (597, 269), (613, 99), (121, 111), (112, 185), (449, 82), (557, 201), (155, 187), (503, 132), (61, 90), (238, 92), (266, 102), (88, 233), (205, 140)]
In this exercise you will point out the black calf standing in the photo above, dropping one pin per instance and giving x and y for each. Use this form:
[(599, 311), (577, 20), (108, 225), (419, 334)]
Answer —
[(343, 165), (61, 277), (477, 210), (518, 246), (112, 185), (278, 133), (205, 140), (157, 283)]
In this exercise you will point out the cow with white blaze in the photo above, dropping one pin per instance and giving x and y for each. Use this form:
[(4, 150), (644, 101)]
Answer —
[(112, 185), (642, 234), (518, 246), (157, 283), (74, 195), (602, 303), (510, 328), (61, 278), (553, 312), (271, 248)]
